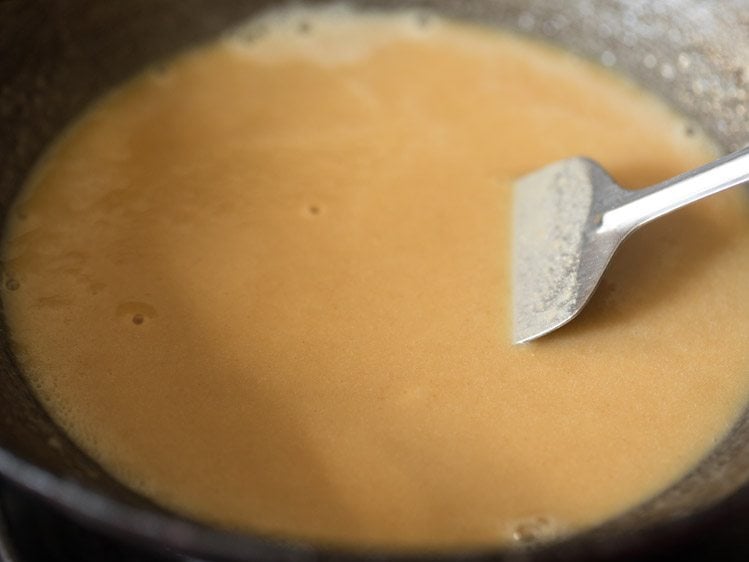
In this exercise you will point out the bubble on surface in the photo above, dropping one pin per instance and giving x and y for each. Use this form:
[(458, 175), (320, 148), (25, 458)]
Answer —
[(667, 71), (12, 284), (683, 61), (535, 530), (136, 312), (326, 35)]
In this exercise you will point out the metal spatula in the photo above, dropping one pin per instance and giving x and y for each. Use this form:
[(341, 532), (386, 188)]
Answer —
[(570, 217)]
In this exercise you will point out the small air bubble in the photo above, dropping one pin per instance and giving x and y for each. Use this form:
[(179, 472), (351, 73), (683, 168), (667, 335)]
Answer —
[(650, 61), (136, 312), (689, 131), (684, 61), (314, 210), (12, 284), (667, 71), (534, 530)]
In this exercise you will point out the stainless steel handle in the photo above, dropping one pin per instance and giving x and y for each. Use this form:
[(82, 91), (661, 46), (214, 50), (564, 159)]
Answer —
[(645, 205)]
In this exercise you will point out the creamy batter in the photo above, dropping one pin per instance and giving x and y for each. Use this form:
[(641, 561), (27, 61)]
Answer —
[(267, 286)]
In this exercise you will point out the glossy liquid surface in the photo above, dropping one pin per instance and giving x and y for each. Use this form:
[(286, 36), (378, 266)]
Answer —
[(267, 285)]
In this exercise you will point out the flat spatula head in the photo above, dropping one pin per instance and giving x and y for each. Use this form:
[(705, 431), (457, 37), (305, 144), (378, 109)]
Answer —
[(558, 256)]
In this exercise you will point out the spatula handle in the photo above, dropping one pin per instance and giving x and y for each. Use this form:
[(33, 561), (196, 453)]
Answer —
[(644, 205)]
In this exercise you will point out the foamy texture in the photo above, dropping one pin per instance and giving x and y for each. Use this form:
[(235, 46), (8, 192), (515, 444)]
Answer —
[(330, 35)]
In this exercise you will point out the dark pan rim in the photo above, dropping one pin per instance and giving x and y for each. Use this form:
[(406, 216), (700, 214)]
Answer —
[(171, 532)]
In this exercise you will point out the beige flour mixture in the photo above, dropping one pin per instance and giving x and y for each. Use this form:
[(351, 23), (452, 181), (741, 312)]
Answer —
[(267, 286)]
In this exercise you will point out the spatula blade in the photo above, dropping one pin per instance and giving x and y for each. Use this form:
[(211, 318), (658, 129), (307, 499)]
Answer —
[(554, 223)]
